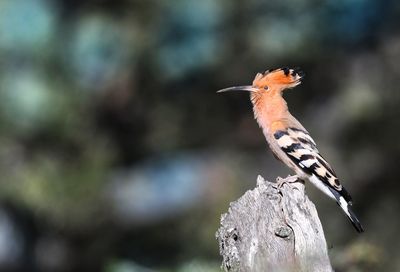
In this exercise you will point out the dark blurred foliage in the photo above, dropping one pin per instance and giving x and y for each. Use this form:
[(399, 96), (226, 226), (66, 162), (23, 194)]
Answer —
[(117, 155)]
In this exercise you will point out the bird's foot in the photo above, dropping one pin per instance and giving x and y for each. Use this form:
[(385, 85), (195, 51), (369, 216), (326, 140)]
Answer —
[(289, 179)]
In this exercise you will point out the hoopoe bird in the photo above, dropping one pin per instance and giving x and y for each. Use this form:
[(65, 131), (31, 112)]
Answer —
[(289, 141)]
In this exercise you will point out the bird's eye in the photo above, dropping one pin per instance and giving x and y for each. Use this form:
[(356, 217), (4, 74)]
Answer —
[(266, 88)]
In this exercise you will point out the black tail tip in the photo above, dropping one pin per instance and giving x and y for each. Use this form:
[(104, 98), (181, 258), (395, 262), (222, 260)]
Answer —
[(356, 223), (359, 228)]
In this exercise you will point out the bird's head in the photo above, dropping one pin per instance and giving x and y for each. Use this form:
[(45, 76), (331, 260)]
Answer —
[(271, 81)]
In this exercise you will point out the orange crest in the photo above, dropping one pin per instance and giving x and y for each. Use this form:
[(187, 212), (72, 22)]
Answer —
[(282, 78)]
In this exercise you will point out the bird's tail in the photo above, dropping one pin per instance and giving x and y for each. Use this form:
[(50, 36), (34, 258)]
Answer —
[(346, 207)]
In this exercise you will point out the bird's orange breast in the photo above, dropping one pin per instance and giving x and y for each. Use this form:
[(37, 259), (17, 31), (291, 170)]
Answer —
[(270, 110)]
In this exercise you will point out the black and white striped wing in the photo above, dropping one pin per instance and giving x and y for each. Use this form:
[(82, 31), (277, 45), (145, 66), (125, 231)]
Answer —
[(298, 145)]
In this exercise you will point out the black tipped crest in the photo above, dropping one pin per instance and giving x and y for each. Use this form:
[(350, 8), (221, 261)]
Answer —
[(298, 71), (267, 71), (286, 71)]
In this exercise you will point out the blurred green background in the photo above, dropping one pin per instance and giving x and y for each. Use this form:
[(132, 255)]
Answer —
[(117, 155)]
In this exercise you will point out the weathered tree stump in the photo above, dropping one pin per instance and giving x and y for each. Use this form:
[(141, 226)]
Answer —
[(274, 227)]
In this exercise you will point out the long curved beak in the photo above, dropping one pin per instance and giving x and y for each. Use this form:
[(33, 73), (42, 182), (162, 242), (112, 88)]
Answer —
[(239, 88)]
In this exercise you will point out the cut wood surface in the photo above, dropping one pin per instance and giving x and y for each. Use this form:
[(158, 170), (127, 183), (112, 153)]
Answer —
[(274, 227)]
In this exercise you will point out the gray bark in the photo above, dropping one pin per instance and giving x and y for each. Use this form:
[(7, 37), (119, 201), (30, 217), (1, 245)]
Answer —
[(274, 227)]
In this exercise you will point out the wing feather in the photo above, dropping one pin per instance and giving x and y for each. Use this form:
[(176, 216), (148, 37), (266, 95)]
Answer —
[(299, 146)]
